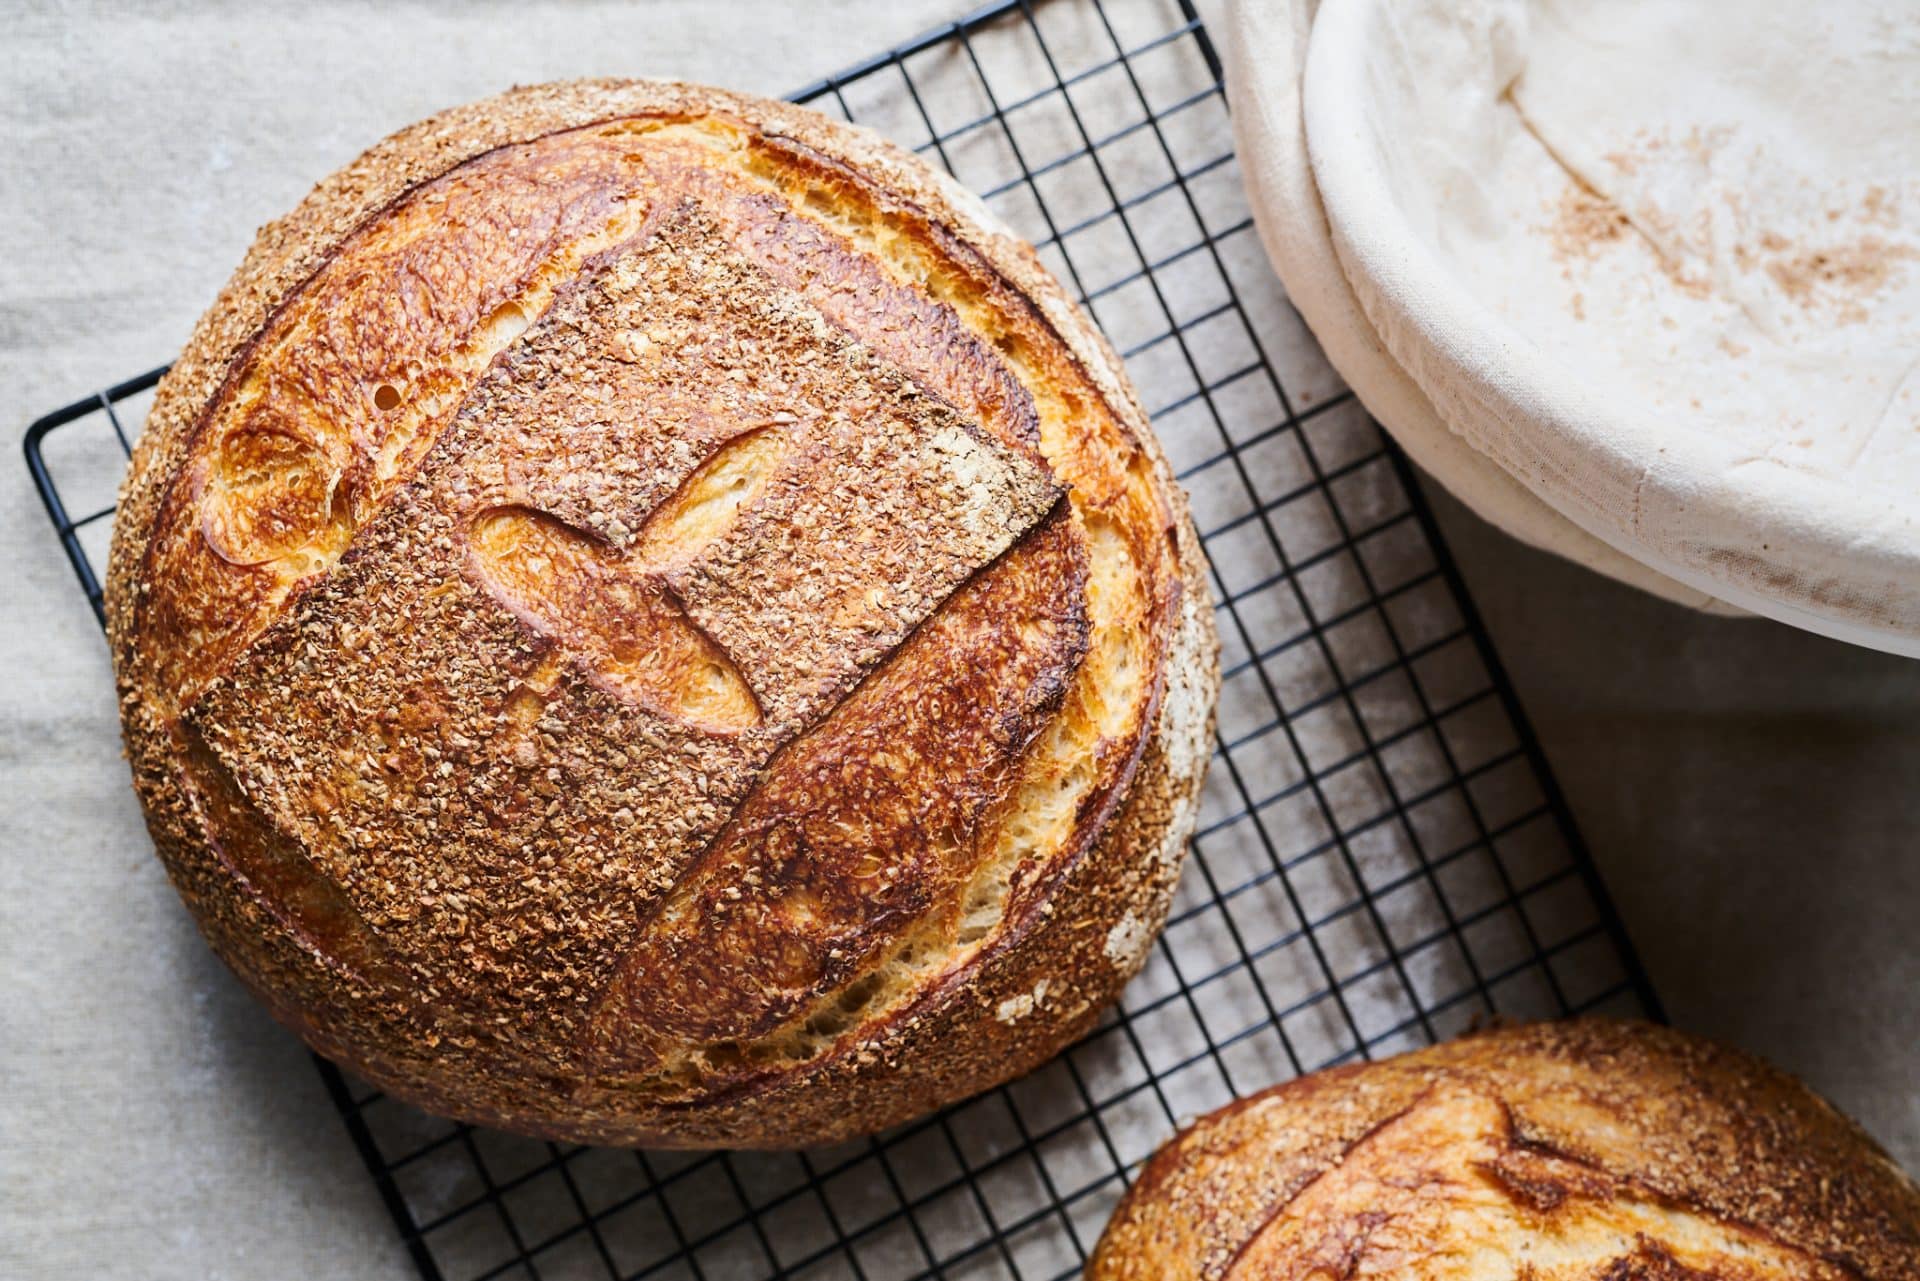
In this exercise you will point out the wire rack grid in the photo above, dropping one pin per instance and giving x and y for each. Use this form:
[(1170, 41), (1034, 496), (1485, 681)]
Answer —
[(1382, 857)]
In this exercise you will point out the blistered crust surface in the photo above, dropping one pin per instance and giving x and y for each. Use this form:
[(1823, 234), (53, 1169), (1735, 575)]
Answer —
[(638, 620), (1586, 1151)]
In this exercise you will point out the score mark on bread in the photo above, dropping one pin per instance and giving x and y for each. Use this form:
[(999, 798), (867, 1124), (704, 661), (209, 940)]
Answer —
[(619, 607)]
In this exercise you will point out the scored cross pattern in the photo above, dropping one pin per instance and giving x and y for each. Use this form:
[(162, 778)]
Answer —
[(619, 608)]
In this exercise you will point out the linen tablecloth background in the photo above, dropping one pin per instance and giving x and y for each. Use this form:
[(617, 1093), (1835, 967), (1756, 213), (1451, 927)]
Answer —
[(1752, 794)]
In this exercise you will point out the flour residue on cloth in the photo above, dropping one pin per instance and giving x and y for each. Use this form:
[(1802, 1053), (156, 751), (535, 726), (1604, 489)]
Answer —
[(1833, 274), (1718, 219)]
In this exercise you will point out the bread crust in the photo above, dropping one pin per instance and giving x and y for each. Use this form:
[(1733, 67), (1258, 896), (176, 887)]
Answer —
[(322, 635), (1587, 1148)]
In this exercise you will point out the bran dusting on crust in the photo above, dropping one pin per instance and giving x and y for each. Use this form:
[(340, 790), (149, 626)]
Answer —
[(705, 661)]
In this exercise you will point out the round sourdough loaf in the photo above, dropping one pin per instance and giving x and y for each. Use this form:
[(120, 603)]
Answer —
[(1592, 1150), (643, 615)]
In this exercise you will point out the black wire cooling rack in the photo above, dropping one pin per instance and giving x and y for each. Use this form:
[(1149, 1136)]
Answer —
[(1382, 858)]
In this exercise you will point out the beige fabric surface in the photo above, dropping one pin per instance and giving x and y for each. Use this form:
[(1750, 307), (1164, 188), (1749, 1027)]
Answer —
[(1748, 790)]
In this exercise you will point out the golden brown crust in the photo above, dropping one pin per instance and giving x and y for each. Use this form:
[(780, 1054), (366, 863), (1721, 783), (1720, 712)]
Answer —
[(1585, 1149), (781, 909), (640, 617)]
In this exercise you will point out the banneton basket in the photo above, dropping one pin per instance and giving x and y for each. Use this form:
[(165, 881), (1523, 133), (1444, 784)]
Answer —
[(1382, 860), (1774, 525), (1266, 57)]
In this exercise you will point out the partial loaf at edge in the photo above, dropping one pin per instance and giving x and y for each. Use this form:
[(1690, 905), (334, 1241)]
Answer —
[(1589, 1150)]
